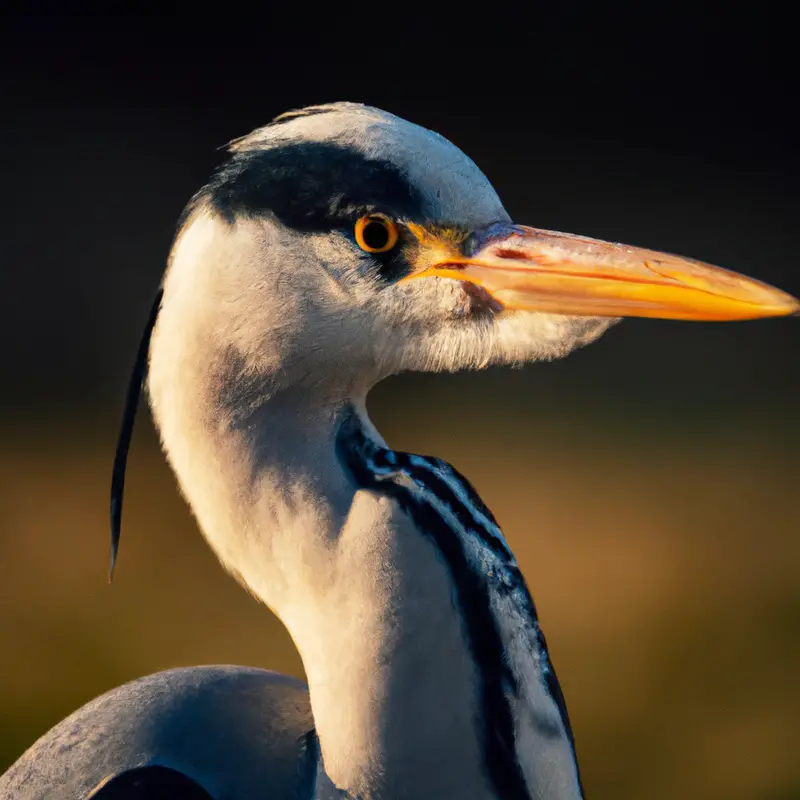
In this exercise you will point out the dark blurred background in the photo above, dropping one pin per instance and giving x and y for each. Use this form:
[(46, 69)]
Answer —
[(647, 483)]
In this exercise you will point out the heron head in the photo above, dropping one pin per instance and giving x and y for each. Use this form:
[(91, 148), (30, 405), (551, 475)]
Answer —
[(340, 244)]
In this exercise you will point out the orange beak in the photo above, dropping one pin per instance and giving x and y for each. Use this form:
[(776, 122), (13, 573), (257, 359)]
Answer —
[(537, 270)]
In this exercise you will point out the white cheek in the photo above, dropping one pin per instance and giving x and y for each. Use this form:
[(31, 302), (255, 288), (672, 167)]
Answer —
[(427, 302)]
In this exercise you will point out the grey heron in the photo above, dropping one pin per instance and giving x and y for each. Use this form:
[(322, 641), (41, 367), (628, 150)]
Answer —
[(336, 246)]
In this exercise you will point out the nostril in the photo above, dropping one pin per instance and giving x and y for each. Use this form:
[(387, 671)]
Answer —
[(508, 252)]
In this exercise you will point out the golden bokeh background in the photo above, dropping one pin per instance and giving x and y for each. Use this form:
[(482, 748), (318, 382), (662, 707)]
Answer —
[(648, 483), (662, 561)]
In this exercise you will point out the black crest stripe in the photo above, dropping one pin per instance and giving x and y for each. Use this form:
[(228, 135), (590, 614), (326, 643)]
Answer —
[(126, 430), (309, 185), (312, 187)]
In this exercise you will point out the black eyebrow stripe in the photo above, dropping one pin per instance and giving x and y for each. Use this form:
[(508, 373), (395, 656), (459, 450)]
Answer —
[(310, 186)]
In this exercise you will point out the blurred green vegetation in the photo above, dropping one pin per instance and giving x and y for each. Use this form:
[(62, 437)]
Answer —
[(662, 550)]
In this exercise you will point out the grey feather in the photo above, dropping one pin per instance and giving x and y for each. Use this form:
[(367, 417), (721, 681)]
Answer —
[(239, 732)]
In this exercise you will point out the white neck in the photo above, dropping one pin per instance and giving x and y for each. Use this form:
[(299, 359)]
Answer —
[(365, 597)]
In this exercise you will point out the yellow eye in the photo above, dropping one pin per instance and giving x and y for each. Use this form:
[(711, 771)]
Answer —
[(376, 233)]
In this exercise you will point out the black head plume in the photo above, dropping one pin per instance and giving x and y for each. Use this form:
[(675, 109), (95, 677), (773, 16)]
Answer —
[(126, 431)]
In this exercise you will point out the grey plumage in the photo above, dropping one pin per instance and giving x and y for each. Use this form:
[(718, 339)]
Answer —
[(238, 732)]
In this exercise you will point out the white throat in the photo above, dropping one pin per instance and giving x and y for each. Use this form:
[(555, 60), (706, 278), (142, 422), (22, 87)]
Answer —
[(365, 598)]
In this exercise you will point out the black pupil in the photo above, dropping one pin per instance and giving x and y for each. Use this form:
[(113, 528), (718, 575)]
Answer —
[(375, 234)]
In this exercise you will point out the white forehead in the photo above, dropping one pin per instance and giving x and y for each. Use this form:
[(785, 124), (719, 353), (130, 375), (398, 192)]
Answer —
[(452, 186)]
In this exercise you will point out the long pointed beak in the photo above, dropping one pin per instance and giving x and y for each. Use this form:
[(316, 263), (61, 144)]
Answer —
[(539, 270)]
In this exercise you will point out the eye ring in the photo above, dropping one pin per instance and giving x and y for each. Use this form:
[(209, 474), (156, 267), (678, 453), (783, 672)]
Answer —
[(376, 233)]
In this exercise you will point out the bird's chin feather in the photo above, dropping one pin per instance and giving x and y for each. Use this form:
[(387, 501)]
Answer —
[(509, 338), (442, 326), (525, 336)]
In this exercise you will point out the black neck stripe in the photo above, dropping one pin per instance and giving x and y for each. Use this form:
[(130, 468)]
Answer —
[(497, 723), (377, 468), (426, 473), (497, 726), (430, 473)]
